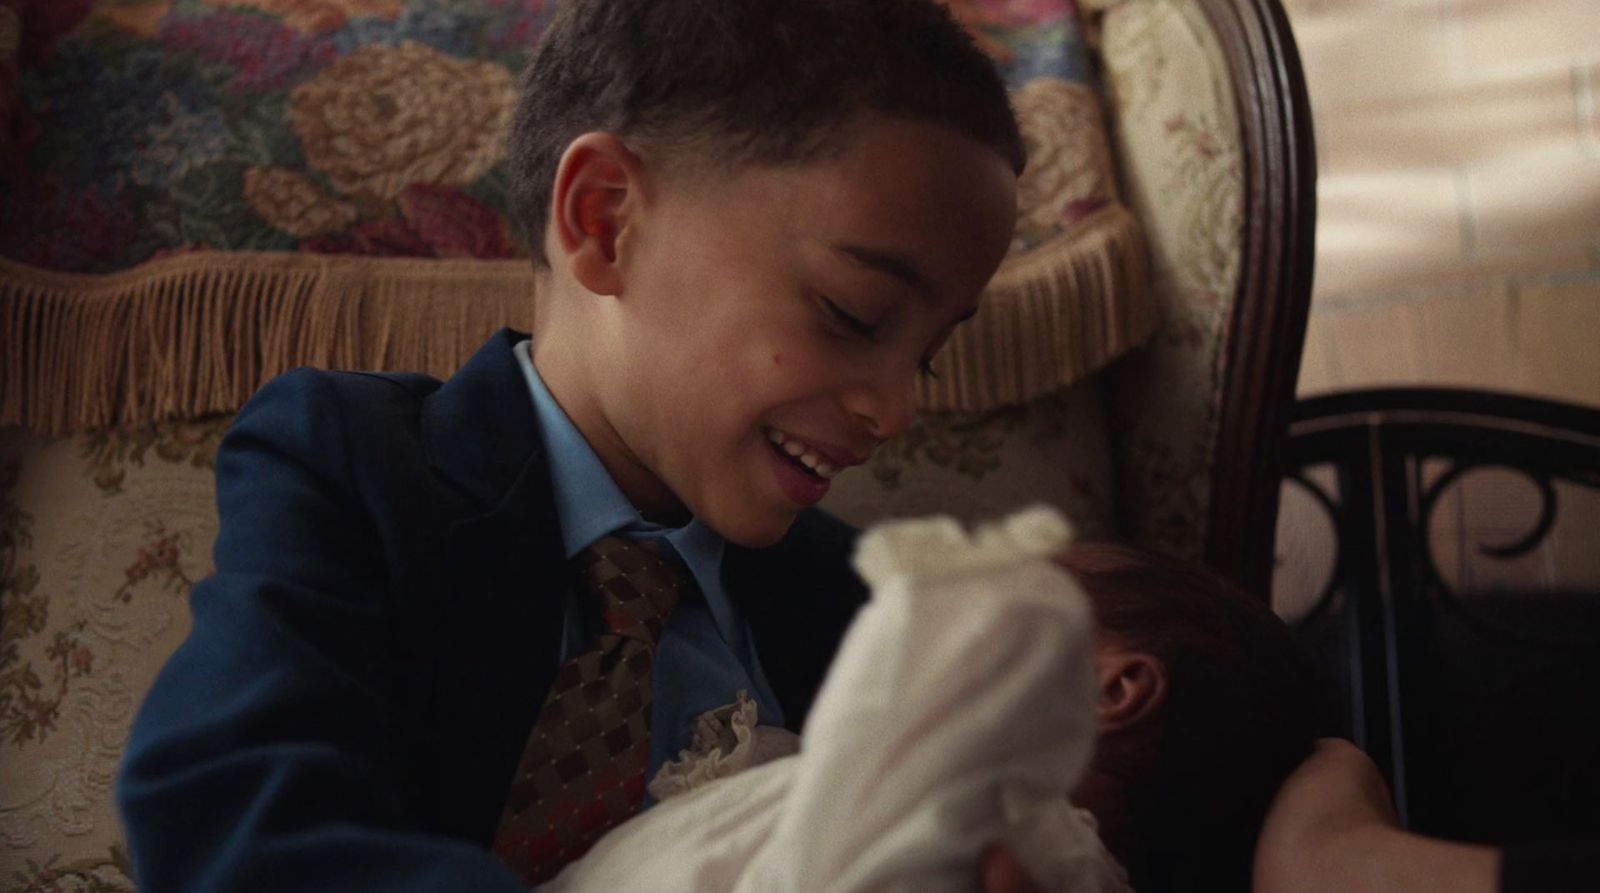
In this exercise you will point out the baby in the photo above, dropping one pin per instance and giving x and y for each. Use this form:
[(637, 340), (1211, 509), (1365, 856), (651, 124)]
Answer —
[(1206, 704), (1112, 716)]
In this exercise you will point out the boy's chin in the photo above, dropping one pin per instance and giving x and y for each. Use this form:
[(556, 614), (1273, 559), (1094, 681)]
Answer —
[(753, 530)]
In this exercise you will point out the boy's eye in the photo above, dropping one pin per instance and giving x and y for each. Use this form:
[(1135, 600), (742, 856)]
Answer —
[(866, 330)]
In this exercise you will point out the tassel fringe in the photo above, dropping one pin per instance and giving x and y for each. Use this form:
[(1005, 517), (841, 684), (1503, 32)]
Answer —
[(1050, 316), (198, 333)]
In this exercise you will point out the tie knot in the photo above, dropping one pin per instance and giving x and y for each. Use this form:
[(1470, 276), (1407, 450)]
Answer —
[(636, 584)]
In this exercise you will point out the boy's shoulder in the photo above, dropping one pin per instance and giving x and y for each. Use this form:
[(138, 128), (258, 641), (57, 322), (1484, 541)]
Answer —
[(476, 429), (338, 420), (323, 396), (493, 363)]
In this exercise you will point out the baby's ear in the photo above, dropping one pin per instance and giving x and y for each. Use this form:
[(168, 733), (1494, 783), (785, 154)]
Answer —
[(595, 185), (1133, 686)]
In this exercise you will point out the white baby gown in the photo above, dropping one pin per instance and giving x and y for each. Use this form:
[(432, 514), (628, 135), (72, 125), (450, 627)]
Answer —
[(958, 713)]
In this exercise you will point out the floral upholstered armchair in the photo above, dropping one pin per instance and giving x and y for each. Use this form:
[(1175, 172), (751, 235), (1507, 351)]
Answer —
[(198, 194)]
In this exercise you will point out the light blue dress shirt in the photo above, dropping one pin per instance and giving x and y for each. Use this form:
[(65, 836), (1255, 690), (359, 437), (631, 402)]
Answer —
[(706, 653)]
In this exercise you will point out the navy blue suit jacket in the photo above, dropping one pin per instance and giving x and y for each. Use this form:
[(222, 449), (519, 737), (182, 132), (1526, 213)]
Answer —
[(380, 631)]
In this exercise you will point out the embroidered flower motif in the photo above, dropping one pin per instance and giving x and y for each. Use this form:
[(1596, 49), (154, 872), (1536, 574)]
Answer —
[(264, 52), (95, 224), (109, 452), (318, 16), (180, 139), (112, 873), (294, 203), (966, 443), (384, 237), (81, 660), (1069, 168), (449, 26), (454, 223), (159, 557), (383, 117), (29, 707)]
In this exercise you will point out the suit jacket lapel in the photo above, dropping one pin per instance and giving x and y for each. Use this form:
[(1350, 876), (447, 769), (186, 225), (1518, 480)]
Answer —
[(499, 633)]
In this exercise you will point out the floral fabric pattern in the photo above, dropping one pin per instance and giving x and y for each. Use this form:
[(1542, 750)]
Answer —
[(1069, 174), (375, 127), (136, 128), (109, 454), (111, 873), (382, 118), (982, 465), (101, 538), (1178, 144), (1042, 51)]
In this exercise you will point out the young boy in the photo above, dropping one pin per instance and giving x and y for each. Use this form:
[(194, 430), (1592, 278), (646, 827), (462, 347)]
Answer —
[(755, 222), (968, 697)]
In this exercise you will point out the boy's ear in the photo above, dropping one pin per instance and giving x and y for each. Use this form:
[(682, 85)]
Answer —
[(1133, 686), (596, 187)]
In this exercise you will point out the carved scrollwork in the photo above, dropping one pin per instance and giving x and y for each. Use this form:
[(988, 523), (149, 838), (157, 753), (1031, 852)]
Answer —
[(1290, 600)]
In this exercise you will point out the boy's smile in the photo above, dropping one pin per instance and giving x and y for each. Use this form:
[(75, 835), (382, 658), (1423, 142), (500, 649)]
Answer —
[(804, 468), (732, 340)]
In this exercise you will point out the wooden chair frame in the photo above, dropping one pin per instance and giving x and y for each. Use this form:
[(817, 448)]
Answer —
[(1265, 332)]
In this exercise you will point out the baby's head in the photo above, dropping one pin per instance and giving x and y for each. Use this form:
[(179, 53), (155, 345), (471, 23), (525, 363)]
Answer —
[(1206, 704), (758, 220)]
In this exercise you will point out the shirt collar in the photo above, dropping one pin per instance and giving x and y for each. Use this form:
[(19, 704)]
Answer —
[(589, 505)]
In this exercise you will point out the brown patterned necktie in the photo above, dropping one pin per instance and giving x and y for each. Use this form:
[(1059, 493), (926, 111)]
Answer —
[(583, 770)]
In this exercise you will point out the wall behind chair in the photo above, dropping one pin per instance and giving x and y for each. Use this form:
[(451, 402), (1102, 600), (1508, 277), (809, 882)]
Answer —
[(1459, 222)]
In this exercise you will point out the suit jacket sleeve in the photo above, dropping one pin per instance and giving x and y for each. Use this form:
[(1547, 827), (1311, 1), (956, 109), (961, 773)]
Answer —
[(264, 756)]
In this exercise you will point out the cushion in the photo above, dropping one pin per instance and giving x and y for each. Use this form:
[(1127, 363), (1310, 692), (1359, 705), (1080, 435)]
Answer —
[(101, 537), (1177, 143), (981, 465), (252, 129)]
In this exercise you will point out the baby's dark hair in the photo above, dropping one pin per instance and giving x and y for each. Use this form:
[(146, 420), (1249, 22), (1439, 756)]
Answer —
[(740, 81), (1244, 704)]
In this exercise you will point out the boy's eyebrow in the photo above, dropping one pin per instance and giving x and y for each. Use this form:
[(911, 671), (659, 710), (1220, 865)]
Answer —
[(885, 262)]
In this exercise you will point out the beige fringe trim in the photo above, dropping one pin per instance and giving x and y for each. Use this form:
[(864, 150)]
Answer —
[(198, 333), (1050, 317)]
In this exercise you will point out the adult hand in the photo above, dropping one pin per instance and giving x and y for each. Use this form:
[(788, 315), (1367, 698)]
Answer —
[(1000, 872), (1332, 827)]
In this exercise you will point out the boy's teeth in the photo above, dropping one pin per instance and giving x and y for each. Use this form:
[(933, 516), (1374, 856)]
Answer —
[(799, 453)]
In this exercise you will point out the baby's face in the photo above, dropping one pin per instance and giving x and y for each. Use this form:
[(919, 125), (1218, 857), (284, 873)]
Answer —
[(780, 316)]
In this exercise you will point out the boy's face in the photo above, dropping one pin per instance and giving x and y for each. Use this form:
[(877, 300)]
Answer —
[(794, 303)]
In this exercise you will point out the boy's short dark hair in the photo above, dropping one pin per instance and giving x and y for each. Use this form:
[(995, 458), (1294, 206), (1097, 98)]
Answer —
[(739, 81), (1244, 704)]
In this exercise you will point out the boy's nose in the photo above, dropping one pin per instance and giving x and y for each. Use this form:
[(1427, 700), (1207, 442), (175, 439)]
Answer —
[(884, 406)]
